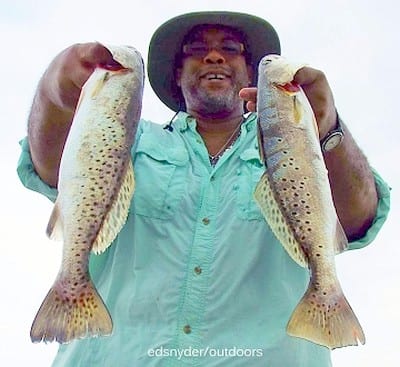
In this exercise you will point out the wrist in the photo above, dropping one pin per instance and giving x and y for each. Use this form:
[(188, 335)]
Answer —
[(334, 137)]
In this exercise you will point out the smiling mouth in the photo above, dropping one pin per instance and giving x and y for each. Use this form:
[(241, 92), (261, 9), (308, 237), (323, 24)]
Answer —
[(215, 76)]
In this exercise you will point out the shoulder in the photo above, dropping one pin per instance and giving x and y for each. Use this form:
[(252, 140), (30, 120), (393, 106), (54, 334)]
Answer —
[(150, 128), (154, 140)]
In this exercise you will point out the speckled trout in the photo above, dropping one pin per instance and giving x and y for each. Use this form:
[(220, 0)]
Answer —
[(95, 187), (295, 198)]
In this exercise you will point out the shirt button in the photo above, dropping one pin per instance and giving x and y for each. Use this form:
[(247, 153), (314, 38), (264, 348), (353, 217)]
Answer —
[(198, 270), (206, 221), (212, 178), (187, 329)]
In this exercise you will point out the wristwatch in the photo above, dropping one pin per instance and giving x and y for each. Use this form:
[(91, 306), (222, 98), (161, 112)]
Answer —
[(334, 137)]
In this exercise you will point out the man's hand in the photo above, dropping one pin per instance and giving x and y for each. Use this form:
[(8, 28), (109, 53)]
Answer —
[(68, 72), (318, 92), (352, 182), (55, 102)]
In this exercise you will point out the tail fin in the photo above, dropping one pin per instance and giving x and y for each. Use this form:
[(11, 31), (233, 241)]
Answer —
[(64, 316), (325, 320)]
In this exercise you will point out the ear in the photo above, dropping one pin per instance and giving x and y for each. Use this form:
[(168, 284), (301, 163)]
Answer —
[(178, 75), (250, 73)]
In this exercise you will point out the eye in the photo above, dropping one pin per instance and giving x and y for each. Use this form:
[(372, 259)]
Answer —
[(197, 47), (231, 47), (267, 60)]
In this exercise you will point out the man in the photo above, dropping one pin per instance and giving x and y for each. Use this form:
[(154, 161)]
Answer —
[(196, 277)]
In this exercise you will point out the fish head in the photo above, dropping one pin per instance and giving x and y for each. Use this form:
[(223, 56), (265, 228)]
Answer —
[(127, 56), (279, 71)]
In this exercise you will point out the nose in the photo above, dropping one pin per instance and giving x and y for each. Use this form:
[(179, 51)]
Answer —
[(214, 57)]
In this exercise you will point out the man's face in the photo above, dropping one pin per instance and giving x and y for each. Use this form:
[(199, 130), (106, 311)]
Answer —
[(213, 72)]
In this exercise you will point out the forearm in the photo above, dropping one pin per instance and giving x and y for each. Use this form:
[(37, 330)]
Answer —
[(47, 131), (353, 187), (55, 102)]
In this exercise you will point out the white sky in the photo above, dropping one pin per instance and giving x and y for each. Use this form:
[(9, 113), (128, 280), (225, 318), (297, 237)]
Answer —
[(355, 42)]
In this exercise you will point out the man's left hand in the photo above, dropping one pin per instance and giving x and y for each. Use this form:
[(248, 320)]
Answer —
[(318, 92)]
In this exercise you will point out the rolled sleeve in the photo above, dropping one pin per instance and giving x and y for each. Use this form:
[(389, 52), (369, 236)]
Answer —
[(381, 213), (28, 175)]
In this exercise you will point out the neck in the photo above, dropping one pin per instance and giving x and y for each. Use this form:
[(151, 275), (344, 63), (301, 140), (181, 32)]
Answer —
[(217, 124), (218, 131)]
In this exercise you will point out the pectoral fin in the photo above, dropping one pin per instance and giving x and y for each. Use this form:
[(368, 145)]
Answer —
[(55, 227), (116, 217)]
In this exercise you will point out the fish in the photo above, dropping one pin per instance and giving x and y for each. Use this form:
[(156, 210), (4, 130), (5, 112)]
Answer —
[(95, 188), (295, 199)]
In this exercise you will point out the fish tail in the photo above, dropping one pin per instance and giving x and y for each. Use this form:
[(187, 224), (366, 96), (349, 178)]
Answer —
[(325, 320), (70, 314)]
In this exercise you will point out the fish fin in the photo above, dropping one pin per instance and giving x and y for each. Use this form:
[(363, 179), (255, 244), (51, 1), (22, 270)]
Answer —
[(260, 142), (116, 216), (99, 84), (341, 243), (265, 199), (63, 317), (297, 110), (326, 320), (54, 228), (81, 98)]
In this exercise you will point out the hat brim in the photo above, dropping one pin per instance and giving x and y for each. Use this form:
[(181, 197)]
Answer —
[(166, 43)]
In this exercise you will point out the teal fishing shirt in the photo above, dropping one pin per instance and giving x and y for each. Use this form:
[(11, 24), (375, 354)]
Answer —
[(196, 277)]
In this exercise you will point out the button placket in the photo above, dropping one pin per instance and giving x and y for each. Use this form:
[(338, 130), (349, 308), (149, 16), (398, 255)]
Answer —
[(206, 221), (196, 287)]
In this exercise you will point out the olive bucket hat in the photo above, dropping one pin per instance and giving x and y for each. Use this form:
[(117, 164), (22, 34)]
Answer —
[(166, 43)]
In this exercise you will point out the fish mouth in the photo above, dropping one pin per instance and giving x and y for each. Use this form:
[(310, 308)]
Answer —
[(289, 88)]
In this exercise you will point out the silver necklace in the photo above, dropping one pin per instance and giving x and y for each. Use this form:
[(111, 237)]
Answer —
[(232, 140)]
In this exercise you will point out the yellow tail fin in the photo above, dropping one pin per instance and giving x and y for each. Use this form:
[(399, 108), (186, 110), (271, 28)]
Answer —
[(63, 316), (325, 320)]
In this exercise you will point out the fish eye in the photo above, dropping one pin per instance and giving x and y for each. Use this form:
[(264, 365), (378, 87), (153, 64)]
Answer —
[(267, 61)]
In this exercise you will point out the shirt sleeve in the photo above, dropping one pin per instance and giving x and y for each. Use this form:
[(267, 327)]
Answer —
[(30, 178), (381, 214), (28, 175)]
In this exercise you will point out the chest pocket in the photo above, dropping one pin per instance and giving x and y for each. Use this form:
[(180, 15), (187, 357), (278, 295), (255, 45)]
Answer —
[(248, 176), (160, 169)]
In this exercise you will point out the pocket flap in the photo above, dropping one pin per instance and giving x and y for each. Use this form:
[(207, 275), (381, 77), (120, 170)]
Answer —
[(174, 154), (251, 154)]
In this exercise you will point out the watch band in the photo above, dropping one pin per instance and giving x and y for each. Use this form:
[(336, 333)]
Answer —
[(334, 137)]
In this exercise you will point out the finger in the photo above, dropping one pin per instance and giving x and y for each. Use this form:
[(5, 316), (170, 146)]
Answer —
[(94, 54), (90, 56), (248, 94), (306, 75), (251, 106)]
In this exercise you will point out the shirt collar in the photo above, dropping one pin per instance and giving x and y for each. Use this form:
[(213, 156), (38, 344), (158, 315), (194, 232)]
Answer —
[(184, 121)]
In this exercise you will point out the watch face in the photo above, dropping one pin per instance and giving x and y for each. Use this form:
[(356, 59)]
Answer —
[(333, 141)]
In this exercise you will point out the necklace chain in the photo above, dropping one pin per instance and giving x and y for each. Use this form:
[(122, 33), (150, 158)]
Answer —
[(214, 158)]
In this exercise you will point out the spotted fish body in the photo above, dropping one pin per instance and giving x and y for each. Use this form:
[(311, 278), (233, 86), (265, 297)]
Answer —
[(95, 188), (295, 197)]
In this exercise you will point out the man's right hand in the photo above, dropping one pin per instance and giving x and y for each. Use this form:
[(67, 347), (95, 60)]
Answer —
[(68, 72), (55, 102)]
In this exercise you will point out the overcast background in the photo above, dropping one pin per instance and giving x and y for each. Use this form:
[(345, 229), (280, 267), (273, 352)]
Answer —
[(355, 42)]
